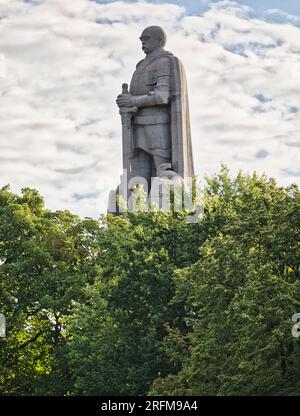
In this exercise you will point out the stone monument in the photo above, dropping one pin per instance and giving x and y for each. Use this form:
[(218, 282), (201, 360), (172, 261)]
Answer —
[(156, 134)]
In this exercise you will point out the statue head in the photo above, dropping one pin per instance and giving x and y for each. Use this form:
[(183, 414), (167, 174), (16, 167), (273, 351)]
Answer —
[(152, 38)]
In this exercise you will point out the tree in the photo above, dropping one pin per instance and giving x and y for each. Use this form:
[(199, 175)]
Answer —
[(146, 303), (242, 293), (41, 274)]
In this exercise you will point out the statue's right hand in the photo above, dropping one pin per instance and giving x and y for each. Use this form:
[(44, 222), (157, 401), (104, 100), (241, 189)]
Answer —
[(124, 100)]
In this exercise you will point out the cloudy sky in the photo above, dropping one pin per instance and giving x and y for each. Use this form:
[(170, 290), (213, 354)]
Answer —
[(62, 64)]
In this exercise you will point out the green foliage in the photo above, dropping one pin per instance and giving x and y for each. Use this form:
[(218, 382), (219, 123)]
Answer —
[(42, 272), (242, 293), (146, 303)]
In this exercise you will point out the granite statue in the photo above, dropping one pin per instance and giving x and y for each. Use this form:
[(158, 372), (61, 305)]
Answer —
[(154, 109)]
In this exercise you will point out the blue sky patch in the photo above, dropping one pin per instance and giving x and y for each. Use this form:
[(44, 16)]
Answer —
[(259, 7)]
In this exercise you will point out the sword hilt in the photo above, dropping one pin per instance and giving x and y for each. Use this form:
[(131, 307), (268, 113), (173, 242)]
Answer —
[(125, 89), (127, 111)]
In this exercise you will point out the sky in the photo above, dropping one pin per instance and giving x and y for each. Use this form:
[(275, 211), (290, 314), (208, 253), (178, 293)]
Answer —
[(62, 64), (291, 7)]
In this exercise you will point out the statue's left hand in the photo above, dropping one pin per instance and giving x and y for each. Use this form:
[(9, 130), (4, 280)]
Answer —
[(125, 100)]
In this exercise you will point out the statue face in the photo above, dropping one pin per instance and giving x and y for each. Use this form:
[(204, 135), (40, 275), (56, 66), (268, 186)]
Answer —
[(151, 40)]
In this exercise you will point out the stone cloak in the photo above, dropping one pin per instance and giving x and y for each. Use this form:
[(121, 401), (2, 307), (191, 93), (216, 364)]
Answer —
[(181, 142)]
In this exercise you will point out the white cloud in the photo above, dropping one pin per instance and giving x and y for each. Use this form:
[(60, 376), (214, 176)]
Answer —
[(65, 63)]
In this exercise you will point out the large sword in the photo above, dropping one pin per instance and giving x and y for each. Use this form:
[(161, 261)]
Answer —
[(127, 133)]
